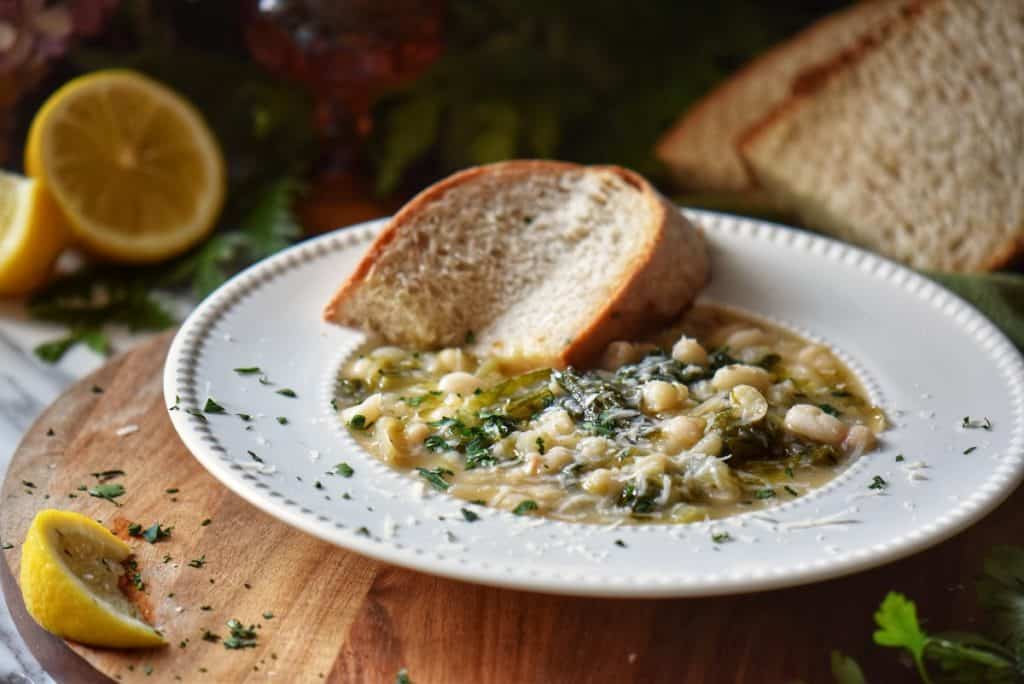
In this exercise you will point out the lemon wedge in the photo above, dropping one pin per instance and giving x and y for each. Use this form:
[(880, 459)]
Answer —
[(132, 165), (70, 569), (32, 234)]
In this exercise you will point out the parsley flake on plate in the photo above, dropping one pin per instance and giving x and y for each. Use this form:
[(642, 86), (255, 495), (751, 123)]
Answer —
[(435, 476), (285, 392), (109, 491), (344, 469), (525, 506), (212, 406)]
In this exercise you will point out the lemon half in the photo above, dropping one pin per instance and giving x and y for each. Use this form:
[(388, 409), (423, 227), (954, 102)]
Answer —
[(70, 569), (32, 234), (132, 165)]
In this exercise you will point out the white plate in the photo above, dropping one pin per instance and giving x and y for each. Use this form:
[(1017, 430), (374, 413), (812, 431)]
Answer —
[(926, 357)]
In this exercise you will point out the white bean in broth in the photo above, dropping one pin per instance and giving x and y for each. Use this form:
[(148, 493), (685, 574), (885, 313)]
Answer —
[(718, 415)]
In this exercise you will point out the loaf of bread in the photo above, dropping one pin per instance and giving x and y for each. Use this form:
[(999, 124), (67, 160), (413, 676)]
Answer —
[(910, 143), (537, 263), (700, 151)]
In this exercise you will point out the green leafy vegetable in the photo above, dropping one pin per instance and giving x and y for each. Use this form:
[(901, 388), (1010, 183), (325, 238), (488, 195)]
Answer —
[(344, 469), (110, 492), (212, 406), (248, 370), (469, 515), (525, 506), (241, 636), (898, 628), (435, 476)]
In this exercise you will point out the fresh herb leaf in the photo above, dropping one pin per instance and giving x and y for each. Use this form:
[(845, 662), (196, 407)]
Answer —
[(620, 543), (435, 476), (358, 422), (197, 562), (105, 475), (830, 410), (969, 450), (878, 483), (721, 537), (791, 491), (285, 392), (248, 370), (344, 469), (253, 456), (241, 637), (54, 350), (212, 406), (156, 532), (469, 515), (282, 420), (898, 628), (525, 506), (900, 458), (766, 493), (110, 492), (206, 521)]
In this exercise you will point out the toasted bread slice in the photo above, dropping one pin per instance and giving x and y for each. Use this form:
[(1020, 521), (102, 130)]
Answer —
[(537, 263), (910, 143), (700, 149)]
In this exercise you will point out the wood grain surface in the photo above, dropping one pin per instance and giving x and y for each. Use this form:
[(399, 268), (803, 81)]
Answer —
[(339, 617)]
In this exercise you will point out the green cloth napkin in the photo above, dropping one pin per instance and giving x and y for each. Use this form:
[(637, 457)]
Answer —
[(1000, 296)]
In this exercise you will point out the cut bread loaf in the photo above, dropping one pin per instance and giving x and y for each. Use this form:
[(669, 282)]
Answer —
[(537, 263), (700, 149), (911, 142)]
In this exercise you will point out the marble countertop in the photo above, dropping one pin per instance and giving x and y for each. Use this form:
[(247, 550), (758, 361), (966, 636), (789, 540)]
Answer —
[(27, 386)]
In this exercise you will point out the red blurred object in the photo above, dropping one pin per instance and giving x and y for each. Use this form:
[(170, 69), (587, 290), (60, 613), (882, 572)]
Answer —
[(347, 52)]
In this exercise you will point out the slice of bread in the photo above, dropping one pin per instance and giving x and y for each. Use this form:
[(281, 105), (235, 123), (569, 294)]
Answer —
[(910, 144), (538, 263), (700, 149)]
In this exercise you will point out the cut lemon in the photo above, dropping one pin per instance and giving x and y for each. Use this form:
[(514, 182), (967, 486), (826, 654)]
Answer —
[(32, 234), (136, 171), (70, 570)]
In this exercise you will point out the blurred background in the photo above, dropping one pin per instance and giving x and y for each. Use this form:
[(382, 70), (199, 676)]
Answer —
[(329, 113)]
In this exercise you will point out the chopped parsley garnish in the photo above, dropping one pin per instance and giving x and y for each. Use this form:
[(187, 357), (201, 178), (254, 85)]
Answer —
[(791, 491), (212, 406), (248, 370), (96, 389), (334, 404), (344, 469), (155, 533), (205, 607), (415, 402), (900, 458), (282, 420), (197, 562), (435, 476), (196, 413), (318, 484), (205, 522), (210, 636), (253, 456), (267, 615), (107, 491), (244, 416), (132, 571), (172, 490), (134, 530), (105, 475), (830, 410), (363, 531), (358, 422), (983, 424), (525, 506), (50, 433), (540, 445), (766, 493), (29, 484), (469, 515), (721, 537), (878, 482), (285, 392), (6, 546), (402, 677), (619, 542), (969, 450), (789, 472)]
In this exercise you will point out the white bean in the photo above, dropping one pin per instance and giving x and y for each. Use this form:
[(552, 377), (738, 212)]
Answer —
[(416, 432), (860, 439), (447, 360), (598, 481), (811, 422), (370, 409), (747, 337), (459, 383), (738, 374), (659, 396), (681, 432), (388, 354), (748, 403), (619, 354), (819, 358), (387, 434), (557, 458), (710, 444), (688, 350)]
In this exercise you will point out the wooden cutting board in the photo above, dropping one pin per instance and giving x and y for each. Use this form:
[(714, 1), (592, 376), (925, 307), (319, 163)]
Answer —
[(342, 618)]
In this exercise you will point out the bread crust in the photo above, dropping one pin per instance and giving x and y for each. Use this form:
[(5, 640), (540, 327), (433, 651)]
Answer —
[(708, 108), (666, 276)]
